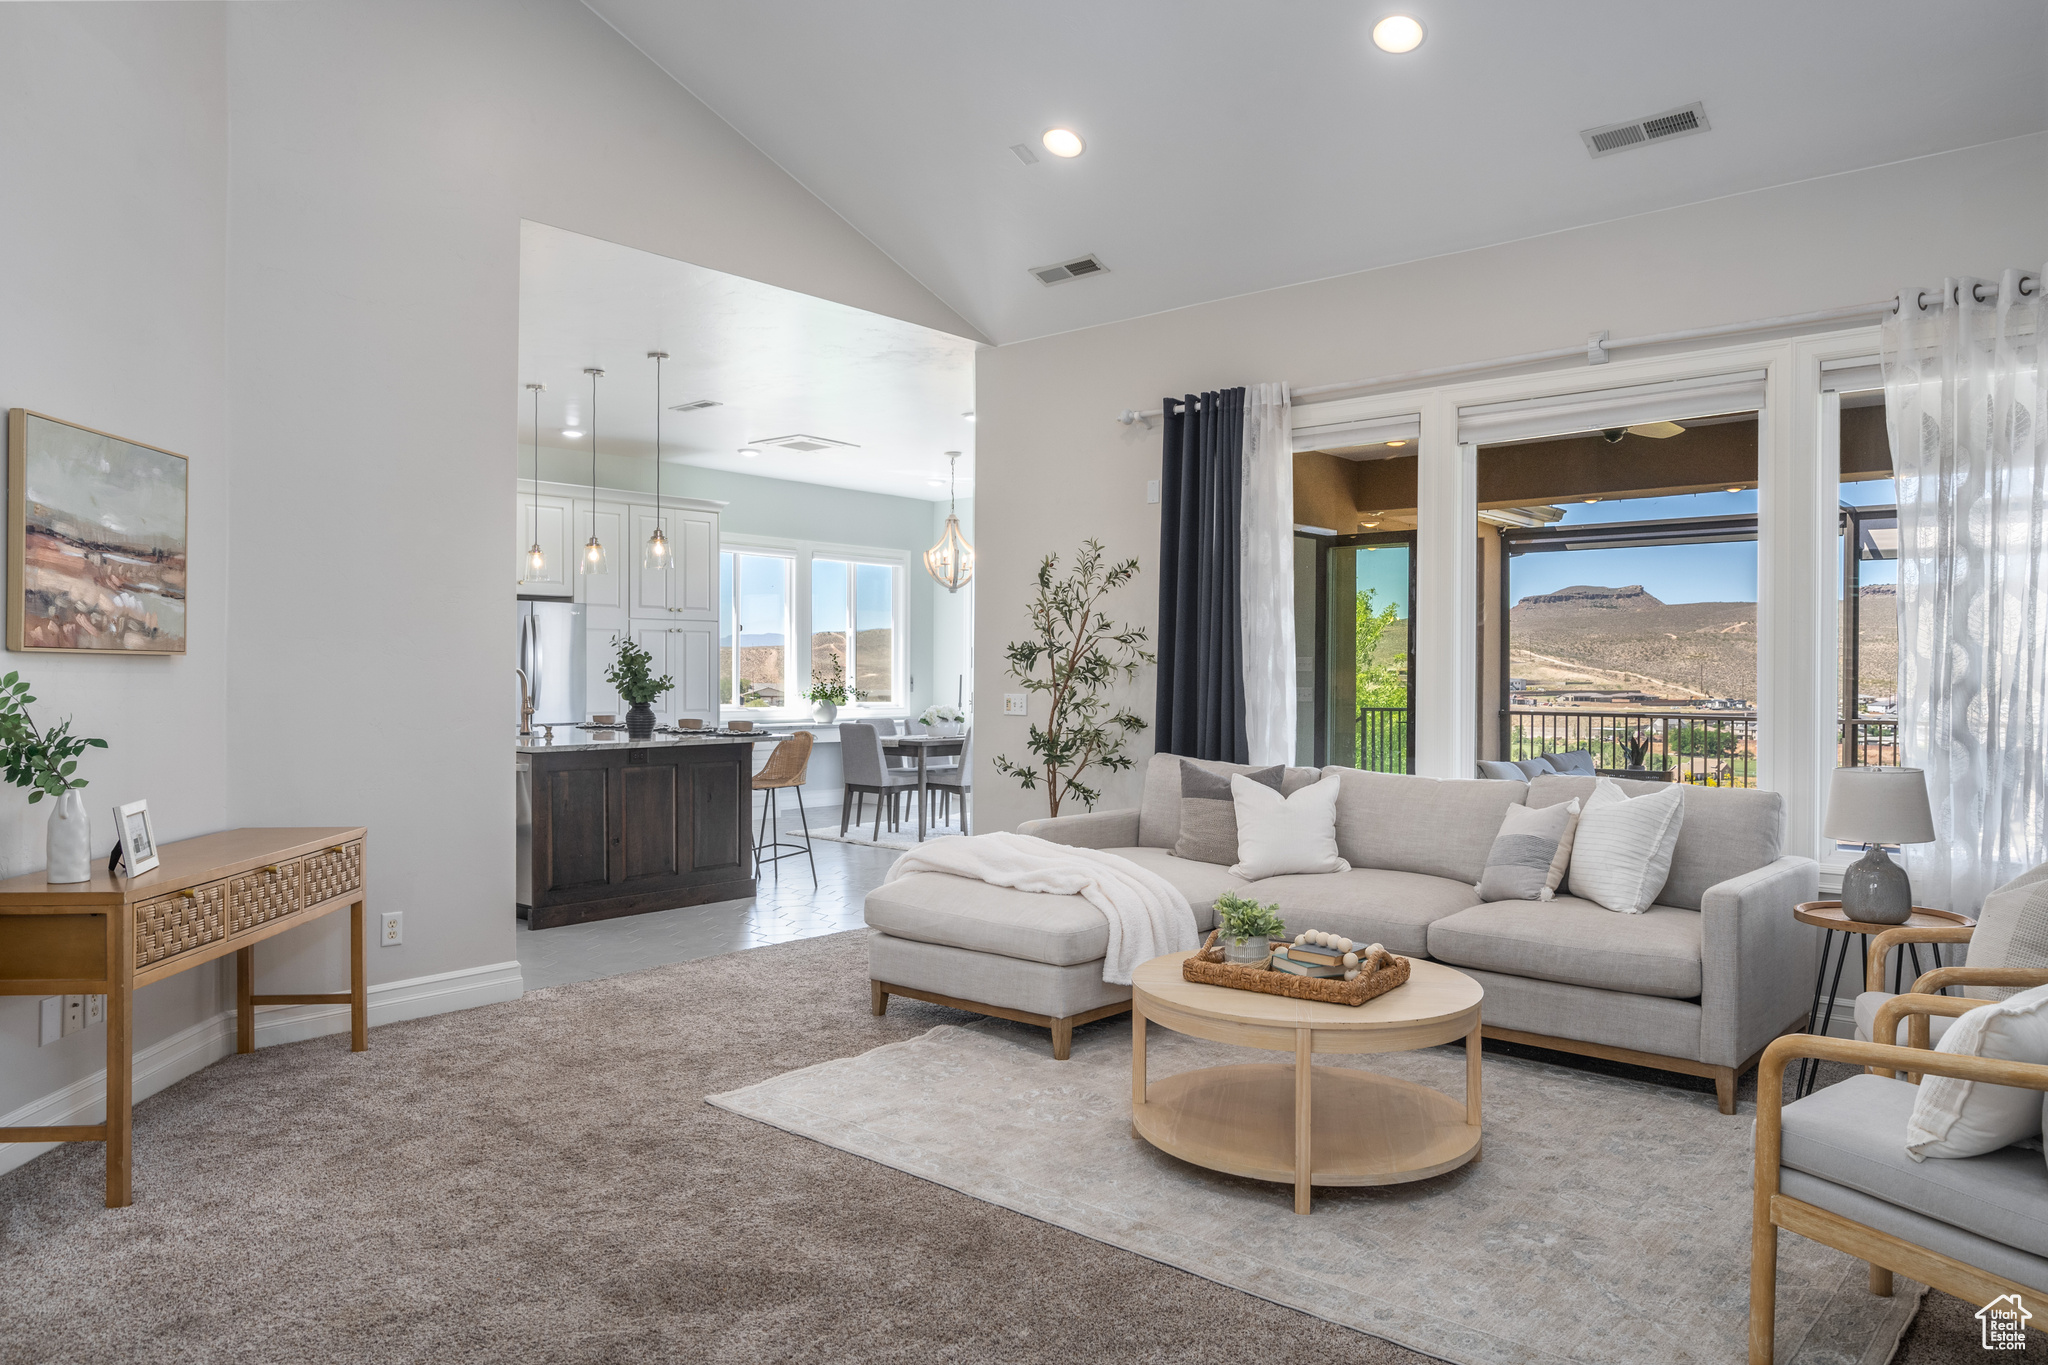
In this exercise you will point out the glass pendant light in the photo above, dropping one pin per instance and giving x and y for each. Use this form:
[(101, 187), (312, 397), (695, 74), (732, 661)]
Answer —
[(951, 561), (593, 550), (656, 556), (536, 558)]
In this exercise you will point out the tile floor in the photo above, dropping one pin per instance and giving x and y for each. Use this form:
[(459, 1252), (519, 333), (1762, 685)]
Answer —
[(785, 907)]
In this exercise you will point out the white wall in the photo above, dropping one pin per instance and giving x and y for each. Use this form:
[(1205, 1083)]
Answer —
[(284, 240), (1049, 452), (384, 156), (113, 172)]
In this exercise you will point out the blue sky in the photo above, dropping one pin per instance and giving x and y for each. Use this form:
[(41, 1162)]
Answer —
[(1674, 573)]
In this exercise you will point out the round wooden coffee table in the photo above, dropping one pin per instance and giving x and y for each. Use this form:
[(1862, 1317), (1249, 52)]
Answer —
[(1301, 1124)]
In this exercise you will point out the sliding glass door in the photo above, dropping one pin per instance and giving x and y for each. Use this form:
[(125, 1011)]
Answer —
[(1363, 707)]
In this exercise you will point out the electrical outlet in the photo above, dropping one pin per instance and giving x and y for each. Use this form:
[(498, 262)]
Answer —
[(52, 1027), (1013, 704), (74, 1014), (95, 1010), (393, 932), (1151, 490)]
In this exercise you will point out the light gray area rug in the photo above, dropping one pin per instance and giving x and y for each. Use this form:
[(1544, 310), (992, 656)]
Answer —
[(1606, 1221)]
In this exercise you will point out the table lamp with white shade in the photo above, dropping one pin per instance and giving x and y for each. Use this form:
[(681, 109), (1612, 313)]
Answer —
[(1875, 807)]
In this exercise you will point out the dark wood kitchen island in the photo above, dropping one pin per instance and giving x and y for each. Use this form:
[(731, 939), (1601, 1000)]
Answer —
[(611, 826)]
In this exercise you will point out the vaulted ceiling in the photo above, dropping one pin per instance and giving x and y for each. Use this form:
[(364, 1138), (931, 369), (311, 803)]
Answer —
[(1235, 147)]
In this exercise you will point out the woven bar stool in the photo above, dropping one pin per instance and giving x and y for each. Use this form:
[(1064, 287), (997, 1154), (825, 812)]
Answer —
[(786, 767)]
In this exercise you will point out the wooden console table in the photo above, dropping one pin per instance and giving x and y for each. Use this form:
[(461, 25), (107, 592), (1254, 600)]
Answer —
[(207, 897)]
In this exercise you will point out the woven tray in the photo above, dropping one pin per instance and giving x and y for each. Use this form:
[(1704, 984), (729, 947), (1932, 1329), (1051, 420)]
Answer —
[(1209, 968)]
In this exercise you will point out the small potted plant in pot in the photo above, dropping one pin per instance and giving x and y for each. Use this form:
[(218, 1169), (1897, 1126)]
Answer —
[(44, 762), (632, 674), (1249, 928), (944, 720), (828, 692)]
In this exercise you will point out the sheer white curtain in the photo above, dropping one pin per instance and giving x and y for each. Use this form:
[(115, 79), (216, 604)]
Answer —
[(1265, 584), (1966, 403)]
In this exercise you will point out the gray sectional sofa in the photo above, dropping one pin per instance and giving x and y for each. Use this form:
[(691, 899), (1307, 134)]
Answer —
[(1701, 983)]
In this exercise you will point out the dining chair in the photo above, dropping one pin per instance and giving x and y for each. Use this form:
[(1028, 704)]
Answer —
[(955, 777), (866, 774), (890, 728), (787, 766)]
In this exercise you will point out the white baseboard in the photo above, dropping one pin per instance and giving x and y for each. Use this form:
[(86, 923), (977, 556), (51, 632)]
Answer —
[(163, 1064)]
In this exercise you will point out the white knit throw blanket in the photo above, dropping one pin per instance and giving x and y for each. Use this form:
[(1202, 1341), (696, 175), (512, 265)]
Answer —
[(1148, 916)]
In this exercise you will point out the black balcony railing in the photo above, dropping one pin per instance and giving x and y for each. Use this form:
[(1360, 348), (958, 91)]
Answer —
[(1709, 749), (1869, 742), (1381, 743)]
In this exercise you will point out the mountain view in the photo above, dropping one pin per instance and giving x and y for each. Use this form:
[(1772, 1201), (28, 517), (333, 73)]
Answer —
[(1626, 640)]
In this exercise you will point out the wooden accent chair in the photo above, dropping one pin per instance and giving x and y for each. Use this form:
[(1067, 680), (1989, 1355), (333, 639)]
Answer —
[(788, 765), (1833, 1167)]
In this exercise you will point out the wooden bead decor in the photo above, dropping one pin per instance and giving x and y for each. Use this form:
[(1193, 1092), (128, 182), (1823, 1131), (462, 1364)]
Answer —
[(1377, 975)]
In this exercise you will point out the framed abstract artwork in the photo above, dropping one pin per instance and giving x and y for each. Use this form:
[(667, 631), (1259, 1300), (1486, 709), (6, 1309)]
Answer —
[(95, 540)]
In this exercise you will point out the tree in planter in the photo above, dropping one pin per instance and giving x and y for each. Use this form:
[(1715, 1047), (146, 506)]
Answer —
[(1084, 654)]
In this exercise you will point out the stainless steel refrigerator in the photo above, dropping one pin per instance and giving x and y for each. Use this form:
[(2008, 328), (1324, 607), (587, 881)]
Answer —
[(551, 650)]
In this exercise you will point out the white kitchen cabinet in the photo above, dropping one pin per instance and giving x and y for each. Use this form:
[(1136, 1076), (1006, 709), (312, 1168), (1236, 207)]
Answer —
[(689, 588), (688, 655), (545, 521)]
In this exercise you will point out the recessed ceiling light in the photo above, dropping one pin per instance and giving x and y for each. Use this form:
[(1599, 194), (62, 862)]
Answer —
[(1592, 499), (1735, 490), (751, 454), (1397, 444), (1067, 142), (572, 435), (1397, 33)]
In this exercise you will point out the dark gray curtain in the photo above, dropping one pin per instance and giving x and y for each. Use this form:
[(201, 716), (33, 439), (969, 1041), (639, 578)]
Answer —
[(1200, 711)]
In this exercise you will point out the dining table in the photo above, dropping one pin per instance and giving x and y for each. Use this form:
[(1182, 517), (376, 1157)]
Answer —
[(924, 748)]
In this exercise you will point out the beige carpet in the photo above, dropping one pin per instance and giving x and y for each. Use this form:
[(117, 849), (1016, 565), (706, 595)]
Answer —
[(1585, 1181), (542, 1181)]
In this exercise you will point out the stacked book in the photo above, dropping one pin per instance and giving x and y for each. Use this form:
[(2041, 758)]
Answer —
[(1312, 959)]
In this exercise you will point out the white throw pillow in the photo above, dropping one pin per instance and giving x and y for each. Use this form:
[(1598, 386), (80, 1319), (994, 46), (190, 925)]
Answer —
[(1280, 834), (1621, 851), (1955, 1118)]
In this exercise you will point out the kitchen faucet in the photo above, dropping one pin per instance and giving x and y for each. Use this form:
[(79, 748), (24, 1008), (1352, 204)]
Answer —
[(525, 705)]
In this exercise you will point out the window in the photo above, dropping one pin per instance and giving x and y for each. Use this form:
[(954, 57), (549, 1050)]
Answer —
[(754, 630), (848, 603), (853, 623)]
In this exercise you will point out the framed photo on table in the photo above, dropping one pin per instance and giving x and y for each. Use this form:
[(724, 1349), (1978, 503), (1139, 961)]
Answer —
[(138, 837)]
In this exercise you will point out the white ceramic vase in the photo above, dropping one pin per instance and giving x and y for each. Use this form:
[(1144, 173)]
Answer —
[(824, 712), (70, 840)]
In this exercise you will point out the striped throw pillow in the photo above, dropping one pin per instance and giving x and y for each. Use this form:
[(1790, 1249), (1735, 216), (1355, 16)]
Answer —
[(1621, 853)]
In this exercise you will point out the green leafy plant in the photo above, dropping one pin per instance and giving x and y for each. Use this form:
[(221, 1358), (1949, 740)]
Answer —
[(831, 689), (1243, 918), (34, 759), (1084, 653), (632, 673)]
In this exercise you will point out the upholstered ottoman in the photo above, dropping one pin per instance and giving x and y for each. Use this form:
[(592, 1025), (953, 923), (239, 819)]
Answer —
[(1017, 955)]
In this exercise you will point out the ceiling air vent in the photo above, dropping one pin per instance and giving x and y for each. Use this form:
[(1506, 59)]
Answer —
[(1619, 137), (697, 405), (1070, 270), (805, 445)]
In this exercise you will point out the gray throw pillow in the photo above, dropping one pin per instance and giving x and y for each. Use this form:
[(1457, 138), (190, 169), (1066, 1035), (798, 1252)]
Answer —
[(1533, 768), (1208, 817), (1530, 853), (1579, 761), (2012, 931), (1501, 771)]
